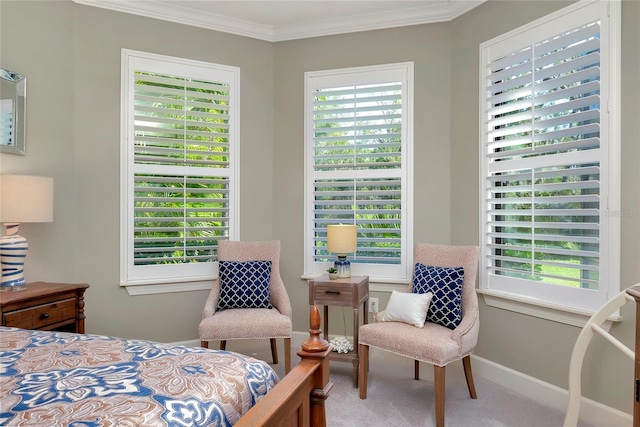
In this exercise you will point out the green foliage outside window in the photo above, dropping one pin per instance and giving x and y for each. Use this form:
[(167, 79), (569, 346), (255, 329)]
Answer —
[(179, 218)]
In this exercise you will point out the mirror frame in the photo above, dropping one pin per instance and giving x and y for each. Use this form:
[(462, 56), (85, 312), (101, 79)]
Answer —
[(14, 88)]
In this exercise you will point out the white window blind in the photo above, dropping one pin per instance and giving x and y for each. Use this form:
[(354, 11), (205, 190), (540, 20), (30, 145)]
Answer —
[(357, 154), (180, 150), (546, 176)]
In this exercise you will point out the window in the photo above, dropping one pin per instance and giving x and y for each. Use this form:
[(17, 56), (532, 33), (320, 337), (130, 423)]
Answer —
[(179, 170), (550, 147), (358, 151)]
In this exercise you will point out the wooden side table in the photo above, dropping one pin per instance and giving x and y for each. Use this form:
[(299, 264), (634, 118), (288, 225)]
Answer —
[(350, 292), (45, 306)]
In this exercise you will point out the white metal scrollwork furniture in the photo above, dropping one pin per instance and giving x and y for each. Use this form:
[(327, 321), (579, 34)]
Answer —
[(592, 327)]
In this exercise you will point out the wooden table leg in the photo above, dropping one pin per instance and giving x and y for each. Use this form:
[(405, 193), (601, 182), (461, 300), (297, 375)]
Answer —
[(356, 359), (326, 322)]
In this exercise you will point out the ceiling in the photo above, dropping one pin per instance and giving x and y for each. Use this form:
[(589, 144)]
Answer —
[(292, 19)]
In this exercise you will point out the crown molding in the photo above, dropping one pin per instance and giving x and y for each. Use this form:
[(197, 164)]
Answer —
[(440, 12), (173, 12), (182, 15)]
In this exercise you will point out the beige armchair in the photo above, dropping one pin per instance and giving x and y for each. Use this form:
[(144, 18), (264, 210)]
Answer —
[(434, 344), (249, 323)]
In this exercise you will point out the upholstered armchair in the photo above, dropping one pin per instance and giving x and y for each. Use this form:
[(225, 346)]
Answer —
[(249, 299), (453, 337)]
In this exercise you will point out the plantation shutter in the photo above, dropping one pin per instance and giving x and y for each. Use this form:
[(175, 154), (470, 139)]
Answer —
[(181, 168), (358, 169), (543, 150)]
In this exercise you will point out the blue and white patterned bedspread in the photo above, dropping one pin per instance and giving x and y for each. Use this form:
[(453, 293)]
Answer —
[(78, 380)]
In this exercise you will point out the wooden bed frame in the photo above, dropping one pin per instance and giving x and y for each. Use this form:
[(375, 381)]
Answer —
[(298, 399)]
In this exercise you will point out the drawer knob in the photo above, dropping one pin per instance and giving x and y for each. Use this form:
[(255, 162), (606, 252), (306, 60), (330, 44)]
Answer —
[(332, 292), (45, 316)]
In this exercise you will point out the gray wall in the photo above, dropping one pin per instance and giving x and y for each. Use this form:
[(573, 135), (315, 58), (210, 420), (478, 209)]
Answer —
[(429, 47), (534, 346), (71, 56)]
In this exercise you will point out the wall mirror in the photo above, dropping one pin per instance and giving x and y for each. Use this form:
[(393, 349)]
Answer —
[(13, 112)]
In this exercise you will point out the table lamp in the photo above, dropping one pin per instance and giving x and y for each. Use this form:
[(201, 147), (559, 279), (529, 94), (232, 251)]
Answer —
[(341, 240), (23, 198)]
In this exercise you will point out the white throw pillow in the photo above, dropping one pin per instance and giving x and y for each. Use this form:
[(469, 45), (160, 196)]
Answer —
[(408, 308)]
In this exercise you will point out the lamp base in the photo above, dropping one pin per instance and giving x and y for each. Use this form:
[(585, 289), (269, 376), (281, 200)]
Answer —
[(20, 285), (13, 251), (343, 267)]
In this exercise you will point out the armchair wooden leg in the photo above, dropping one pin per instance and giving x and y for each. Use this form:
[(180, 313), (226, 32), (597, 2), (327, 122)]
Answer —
[(287, 355), (439, 380), (363, 369), (466, 362), (223, 345), (204, 344), (274, 351), (416, 370)]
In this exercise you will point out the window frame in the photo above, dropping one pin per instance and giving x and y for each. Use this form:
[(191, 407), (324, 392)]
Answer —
[(360, 76), (540, 305), (141, 280)]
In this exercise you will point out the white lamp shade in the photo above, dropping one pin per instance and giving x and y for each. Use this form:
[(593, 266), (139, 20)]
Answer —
[(26, 198), (342, 238)]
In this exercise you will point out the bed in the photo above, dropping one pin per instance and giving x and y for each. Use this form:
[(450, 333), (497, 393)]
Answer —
[(67, 379)]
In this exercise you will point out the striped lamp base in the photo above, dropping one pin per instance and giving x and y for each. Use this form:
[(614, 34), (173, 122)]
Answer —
[(13, 251)]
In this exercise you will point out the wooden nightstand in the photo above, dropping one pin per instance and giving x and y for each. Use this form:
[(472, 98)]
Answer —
[(351, 292), (45, 306)]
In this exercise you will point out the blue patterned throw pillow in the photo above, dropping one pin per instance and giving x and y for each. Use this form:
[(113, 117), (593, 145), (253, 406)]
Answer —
[(446, 286), (244, 284)]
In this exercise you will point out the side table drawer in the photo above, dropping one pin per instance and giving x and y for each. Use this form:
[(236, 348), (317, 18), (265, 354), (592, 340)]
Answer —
[(41, 316), (333, 295)]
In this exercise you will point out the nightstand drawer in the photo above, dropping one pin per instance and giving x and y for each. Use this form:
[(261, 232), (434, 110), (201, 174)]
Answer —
[(40, 316), (333, 294)]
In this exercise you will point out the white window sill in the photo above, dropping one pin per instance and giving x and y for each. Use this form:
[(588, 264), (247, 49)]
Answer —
[(141, 288), (536, 308)]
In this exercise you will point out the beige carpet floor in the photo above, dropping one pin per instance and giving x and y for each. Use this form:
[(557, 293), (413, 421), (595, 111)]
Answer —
[(394, 398)]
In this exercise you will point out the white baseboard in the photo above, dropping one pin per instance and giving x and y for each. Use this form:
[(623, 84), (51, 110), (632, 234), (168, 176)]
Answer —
[(548, 394)]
